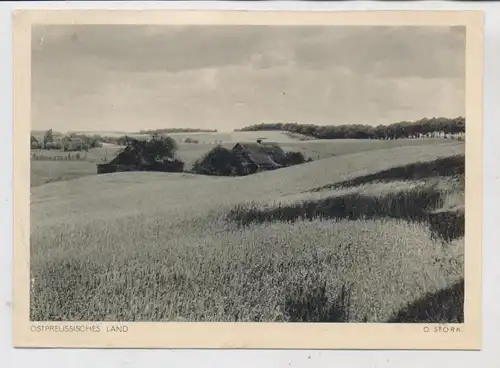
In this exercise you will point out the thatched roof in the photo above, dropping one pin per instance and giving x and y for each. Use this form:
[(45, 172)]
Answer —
[(265, 153), (127, 156)]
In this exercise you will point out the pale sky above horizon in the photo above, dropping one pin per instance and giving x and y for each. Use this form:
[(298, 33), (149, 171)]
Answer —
[(132, 77)]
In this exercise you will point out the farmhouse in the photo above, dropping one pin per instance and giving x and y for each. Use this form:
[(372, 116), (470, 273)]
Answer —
[(244, 158), (135, 157), (260, 156)]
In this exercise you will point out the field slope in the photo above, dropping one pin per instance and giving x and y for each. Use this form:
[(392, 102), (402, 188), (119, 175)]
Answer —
[(330, 240)]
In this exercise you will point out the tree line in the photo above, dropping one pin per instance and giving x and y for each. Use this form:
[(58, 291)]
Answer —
[(176, 130), (52, 141), (423, 128)]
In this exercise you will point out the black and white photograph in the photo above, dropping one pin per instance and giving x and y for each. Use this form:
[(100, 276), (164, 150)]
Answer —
[(309, 173)]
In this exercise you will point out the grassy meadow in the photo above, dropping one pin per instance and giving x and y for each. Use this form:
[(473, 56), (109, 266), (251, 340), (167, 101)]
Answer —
[(370, 232), (44, 171)]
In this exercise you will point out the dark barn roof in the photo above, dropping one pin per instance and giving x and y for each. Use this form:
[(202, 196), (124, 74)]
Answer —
[(127, 156), (263, 154)]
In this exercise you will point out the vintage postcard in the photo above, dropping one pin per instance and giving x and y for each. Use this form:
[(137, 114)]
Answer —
[(248, 179)]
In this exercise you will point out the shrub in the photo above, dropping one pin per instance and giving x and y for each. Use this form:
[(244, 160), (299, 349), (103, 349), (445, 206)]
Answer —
[(53, 145), (190, 140), (219, 161), (295, 158)]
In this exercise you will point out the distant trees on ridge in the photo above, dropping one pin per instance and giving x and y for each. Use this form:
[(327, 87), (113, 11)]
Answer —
[(423, 128)]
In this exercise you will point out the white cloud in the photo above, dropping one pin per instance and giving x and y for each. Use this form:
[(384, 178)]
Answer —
[(215, 78)]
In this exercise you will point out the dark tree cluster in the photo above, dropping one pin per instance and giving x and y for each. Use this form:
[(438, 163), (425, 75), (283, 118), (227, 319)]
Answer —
[(155, 154), (221, 161), (90, 141), (296, 158), (156, 149), (423, 128)]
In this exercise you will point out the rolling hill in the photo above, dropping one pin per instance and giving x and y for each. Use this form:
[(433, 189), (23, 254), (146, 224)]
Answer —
[(318, 241)]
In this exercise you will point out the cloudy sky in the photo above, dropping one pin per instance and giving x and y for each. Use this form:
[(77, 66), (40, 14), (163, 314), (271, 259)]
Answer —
[(131, 77)]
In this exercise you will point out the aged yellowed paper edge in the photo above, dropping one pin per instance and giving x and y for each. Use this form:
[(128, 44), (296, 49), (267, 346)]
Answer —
[(251, 335)]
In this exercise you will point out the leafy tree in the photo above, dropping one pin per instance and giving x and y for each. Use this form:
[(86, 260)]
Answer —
[(295, 158), (161, 147), (48, 137), (157, 149), (219, 161)]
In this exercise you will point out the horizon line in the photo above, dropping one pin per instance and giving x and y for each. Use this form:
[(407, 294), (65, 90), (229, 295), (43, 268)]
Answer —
[(208, 130)]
